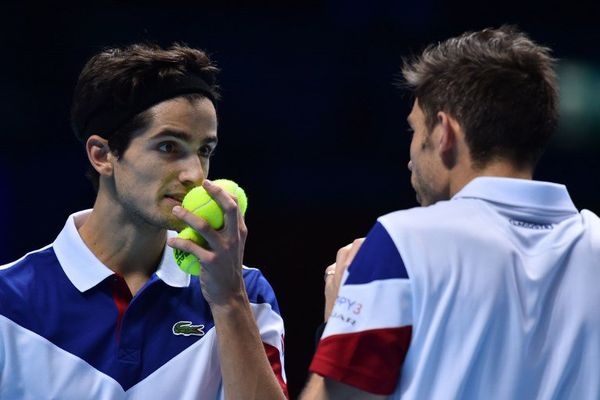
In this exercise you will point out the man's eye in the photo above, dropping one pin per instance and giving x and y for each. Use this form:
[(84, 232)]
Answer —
[(206, 151), (167, 147)]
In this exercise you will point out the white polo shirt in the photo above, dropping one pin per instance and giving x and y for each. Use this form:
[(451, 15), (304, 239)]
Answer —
[(490, 295), (69, 328)]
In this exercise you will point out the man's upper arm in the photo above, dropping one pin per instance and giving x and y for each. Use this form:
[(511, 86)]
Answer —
[(370, 327), (270, 324)]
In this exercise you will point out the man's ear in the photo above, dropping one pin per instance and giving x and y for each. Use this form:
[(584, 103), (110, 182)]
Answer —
[(447, 144), (99, 155)]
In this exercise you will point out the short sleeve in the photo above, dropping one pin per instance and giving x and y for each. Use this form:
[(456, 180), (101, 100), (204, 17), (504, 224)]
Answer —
[(370, 327), (268, 319)]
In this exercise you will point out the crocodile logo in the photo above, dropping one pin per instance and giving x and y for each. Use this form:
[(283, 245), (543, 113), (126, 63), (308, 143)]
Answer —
[(186, 328)]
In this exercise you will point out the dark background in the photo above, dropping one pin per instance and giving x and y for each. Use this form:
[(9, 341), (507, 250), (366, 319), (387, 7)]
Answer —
[(310, 123)]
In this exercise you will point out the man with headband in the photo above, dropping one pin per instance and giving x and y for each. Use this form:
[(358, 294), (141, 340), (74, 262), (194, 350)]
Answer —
[(104, 312), (490, 289)]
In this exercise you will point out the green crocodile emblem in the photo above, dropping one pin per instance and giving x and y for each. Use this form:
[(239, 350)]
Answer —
[(186, 328)]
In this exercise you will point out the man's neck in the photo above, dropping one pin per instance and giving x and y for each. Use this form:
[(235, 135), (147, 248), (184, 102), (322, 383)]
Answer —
[(129, 248), (497, 168)]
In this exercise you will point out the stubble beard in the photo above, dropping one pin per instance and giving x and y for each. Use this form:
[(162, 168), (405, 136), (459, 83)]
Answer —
[(414, 183), (423, 192), (418, 198), (154, 220)]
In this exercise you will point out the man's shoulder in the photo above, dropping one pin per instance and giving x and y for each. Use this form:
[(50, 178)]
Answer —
[(591, 221), (28, 264), (434, 216), (21, 279), (253, 276), (441, 227), (258, 288), (591, 218)]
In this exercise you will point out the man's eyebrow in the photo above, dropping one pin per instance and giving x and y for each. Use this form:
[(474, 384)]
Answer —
[(182, 135)]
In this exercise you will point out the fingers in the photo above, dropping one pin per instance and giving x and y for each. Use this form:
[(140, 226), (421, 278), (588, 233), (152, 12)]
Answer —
[(196, 223), (331, 290), (233, 220), (190, 247), (344, 257), (234, 226), (329, 272), (221, 279), (335, 272), (218, 241), (228, 204), (354, 249)]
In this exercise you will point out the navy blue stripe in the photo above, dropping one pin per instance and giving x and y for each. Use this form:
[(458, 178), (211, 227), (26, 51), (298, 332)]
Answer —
[(377, 259), (259, 290)]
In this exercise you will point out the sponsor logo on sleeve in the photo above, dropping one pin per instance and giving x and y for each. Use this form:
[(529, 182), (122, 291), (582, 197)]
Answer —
[(346, 310)]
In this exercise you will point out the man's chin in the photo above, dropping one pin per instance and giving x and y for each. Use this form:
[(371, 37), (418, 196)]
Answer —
[(172, 223), (418, 198)]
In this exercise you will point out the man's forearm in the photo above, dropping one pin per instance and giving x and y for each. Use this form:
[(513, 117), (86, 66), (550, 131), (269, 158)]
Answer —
[(319, 388), (314, 388), (246, 371)]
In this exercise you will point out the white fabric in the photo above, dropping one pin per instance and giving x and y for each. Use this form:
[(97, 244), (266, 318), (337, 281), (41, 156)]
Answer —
[(34, 367), (72, 253), (505, 297), (374, 305)]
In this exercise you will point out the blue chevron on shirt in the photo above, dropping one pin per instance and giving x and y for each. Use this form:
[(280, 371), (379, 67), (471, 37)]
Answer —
[(69, 328)]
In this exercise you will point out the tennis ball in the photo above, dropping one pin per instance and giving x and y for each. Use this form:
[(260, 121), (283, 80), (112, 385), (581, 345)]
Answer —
[(188, 262), (199, 202)]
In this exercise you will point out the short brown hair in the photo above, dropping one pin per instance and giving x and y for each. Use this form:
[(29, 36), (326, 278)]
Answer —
[(115, 75), (498, 84)]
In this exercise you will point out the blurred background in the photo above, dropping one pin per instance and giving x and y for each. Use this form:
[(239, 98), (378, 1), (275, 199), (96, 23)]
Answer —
[(310, 122)]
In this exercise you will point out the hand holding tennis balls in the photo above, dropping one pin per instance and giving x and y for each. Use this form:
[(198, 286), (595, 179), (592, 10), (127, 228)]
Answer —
[(201, 204)]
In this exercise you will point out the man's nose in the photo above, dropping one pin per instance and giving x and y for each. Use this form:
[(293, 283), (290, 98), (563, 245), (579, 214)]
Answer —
[(410, 165), (192, 173)]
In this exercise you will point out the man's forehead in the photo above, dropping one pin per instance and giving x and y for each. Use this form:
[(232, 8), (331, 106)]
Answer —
[(184, 117)]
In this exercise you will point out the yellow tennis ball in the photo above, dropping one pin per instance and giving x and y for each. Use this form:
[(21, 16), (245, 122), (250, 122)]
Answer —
[(188, 262), (233, 188), (199, 202)]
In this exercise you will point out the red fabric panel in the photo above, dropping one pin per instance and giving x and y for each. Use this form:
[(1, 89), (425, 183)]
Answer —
[(368, 360), (275, 361)]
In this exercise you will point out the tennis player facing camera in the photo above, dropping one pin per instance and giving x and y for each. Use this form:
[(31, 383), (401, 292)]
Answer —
[(104, 312)]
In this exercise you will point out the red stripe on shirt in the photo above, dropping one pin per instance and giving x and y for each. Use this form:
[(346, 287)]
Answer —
[(275, 361), (122, 297), (368, 360)]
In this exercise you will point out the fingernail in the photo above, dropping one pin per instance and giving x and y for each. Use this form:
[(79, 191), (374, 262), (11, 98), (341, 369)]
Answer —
[(176, 210), (207, 183)]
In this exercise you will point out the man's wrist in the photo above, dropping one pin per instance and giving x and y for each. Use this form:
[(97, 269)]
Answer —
[(232, 304)]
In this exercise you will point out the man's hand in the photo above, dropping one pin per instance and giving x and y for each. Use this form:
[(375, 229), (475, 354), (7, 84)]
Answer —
[(317, 387), (245, 368), (221, 276), (335, 272)]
